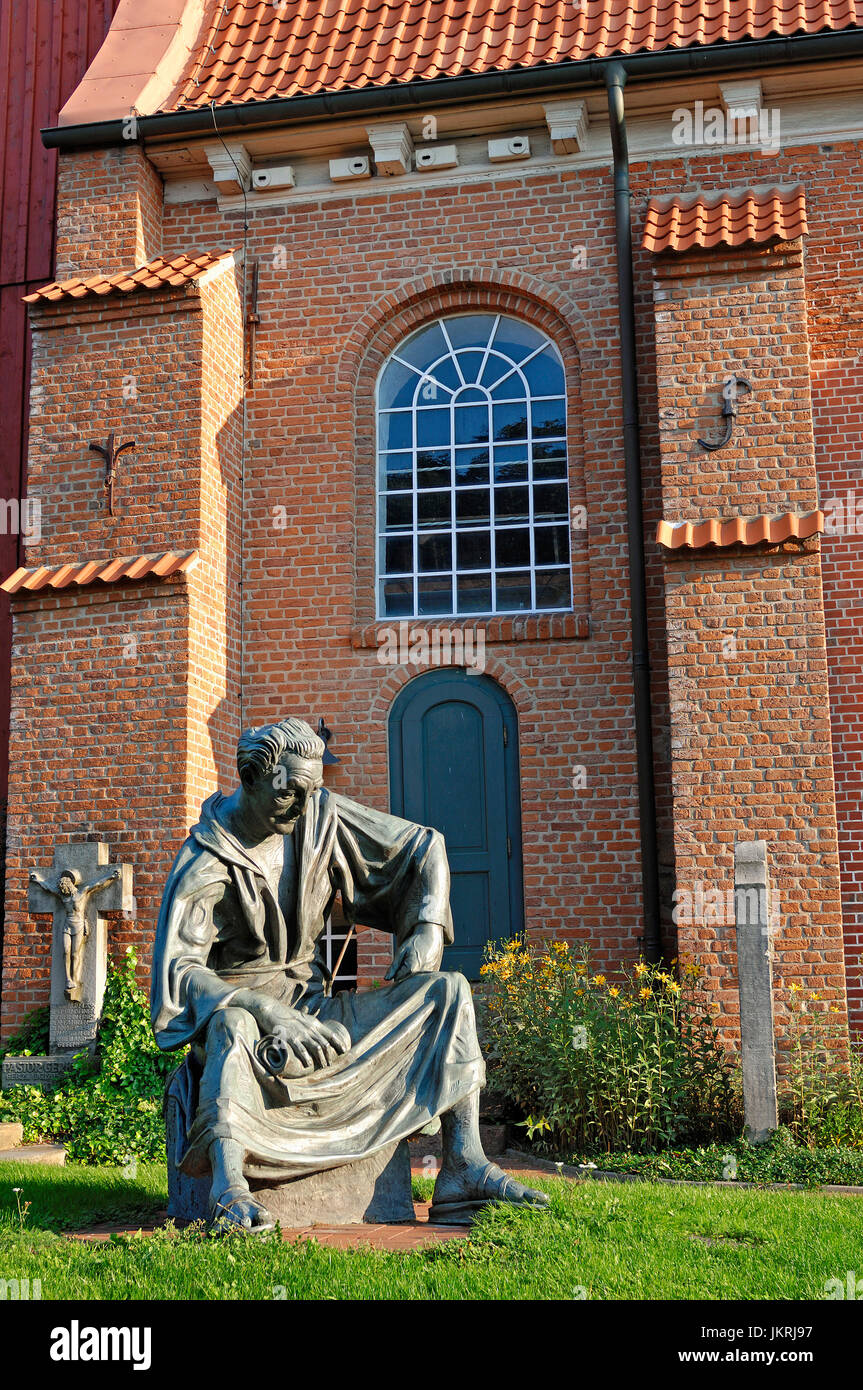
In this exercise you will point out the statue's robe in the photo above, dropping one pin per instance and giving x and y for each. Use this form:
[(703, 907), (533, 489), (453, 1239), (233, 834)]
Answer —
[(224, 926)]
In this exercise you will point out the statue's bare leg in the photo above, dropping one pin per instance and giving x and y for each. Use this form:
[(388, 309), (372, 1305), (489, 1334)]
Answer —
[(467, 1179), (231, 1201)]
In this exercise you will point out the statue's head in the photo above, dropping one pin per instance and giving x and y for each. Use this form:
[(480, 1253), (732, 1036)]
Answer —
[(68, 882), (280, 766)]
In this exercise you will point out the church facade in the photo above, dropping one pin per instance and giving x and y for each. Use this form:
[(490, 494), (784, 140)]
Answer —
[(341, 407)]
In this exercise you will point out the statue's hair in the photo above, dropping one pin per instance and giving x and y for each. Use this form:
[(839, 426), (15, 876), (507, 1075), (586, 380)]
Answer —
[(69, 873), (259, 750)]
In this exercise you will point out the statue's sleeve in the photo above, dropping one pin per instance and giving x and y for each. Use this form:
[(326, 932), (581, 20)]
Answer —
[(185, 991), (392, 874)]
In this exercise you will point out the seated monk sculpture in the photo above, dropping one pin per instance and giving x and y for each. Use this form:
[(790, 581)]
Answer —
[(239, 973)]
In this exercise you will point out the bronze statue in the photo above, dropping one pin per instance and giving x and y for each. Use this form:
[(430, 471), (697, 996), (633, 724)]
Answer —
[(286, 1079), (74, 897)]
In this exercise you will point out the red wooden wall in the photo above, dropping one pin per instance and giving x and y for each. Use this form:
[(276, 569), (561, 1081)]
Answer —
[(45, 48)]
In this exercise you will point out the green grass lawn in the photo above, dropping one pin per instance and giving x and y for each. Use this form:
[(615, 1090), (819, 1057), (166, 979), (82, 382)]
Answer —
[(635, 1240)]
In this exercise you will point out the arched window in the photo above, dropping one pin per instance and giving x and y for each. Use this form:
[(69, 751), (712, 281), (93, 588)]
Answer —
[(473, 501)]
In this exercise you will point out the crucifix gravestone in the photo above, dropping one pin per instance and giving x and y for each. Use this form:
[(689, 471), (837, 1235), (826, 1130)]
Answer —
[(75, 890)]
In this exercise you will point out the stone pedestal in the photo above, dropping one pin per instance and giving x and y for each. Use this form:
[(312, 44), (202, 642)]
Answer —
[(375, 1189)]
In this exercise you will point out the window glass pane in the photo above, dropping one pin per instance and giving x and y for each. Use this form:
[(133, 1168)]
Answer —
[(510, 422), (512, 503), (474, 550), (510, 463), (516, 339), (544, 375), (445, 380), (434, 595), (471, 424), (472, 506), (397, 386), (470, 363), (397, 598), (398, 471), (496, 367), (549, 460), (509, 386), (474, 593), (512, 547), (548, 418), (424, 347), (434, 553), (551, 545), (397, 512), (434, 509), (513, 591), (433, 468), (394, 431), (471, 466), (550, 502), (553, 589), (469, 330), (399, 555), (433, 425)]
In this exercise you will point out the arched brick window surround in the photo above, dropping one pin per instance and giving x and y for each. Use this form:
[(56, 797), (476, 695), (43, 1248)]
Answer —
[(375, 337)]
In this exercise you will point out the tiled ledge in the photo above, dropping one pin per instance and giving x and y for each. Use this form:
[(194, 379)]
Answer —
[(532, 627)]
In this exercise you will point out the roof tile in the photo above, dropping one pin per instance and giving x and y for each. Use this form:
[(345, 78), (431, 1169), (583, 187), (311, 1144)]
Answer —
[(739, 530), (160, 565), (179, 270), (250, 50), (732, 219)]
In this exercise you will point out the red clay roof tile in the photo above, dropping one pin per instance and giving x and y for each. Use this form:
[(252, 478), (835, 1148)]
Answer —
[(724, 219), (155, 275), (159, 566), (252, 50), (739, 530)]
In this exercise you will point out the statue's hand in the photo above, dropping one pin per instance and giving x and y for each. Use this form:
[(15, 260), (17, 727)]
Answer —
[(420, 953), (314, 1043)]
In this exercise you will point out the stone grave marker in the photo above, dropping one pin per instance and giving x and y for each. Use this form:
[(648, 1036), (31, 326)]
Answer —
[(75, 890)]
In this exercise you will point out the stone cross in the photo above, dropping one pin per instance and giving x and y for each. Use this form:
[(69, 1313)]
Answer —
[(755, 984), (79, 949)]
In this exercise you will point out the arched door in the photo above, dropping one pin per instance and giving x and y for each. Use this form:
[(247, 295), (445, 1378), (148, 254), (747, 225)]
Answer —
[(454, 765)]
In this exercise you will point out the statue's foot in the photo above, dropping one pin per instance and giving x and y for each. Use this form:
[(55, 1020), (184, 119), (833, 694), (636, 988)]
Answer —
[(235, 1209), (457, 1198)]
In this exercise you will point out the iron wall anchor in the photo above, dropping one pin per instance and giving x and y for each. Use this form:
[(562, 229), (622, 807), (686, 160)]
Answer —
[(112, 458), (734, 386)]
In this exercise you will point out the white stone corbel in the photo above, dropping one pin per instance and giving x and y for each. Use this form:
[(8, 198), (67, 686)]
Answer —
[(232, 167), (567, 125), (742, 100), (392, 147)]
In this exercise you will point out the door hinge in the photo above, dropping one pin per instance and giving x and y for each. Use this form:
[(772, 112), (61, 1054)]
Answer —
[(509, 847), (505, 736)]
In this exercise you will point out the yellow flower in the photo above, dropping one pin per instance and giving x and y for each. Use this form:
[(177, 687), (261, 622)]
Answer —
[(579, 993), (795, 988), (613, 991), (641, 968), (673, 987), (599, 979), (560, 947), (644, 993)]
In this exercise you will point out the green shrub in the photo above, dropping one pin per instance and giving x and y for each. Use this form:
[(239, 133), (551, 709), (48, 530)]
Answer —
[(821, 1093), (598, 1066), (110, 1110)]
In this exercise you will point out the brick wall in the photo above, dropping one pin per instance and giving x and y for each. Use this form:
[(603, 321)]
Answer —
[(750, 716), (339, 282), (125, 698)]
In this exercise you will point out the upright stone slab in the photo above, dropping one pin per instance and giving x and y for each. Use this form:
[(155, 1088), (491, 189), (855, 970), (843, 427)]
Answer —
[(755, 984)]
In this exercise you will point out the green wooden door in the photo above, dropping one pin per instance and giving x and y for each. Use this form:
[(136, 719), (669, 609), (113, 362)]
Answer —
[(454, 766)]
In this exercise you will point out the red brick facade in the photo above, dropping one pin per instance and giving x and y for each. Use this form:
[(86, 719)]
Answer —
[(276, 491)]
